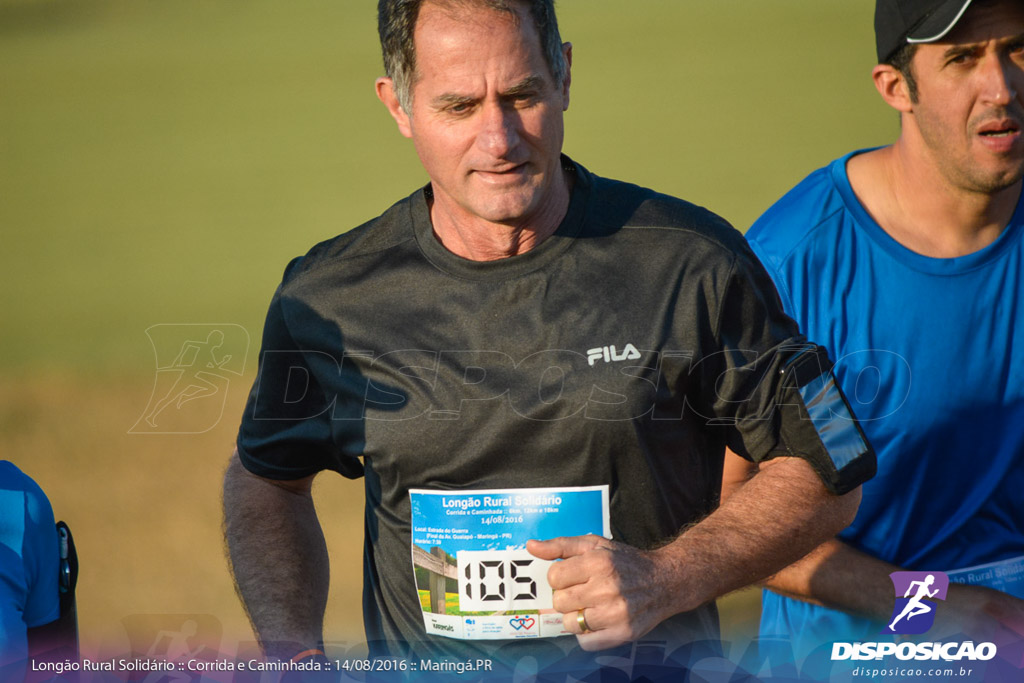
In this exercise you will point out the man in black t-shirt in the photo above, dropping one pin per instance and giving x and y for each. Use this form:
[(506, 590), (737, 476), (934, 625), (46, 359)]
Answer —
[(521, 324)]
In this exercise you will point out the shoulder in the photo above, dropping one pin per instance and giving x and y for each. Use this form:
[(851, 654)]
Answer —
[(658, 219), (17, 488), (13, 479), (376, 237), (812, 207)]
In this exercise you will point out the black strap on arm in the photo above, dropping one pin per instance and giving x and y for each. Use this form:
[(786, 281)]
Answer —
[(67, 624), (818, 425), (57, 641)]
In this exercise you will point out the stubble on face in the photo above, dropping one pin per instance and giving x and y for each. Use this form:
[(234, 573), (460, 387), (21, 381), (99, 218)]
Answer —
[(969, 111), (487, 118)]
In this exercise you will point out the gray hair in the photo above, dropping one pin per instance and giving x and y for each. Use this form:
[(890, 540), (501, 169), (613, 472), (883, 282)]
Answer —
[(396, 23)]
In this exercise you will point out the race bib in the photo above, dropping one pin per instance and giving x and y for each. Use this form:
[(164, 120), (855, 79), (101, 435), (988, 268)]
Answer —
[(474, 578), (1006, 576)]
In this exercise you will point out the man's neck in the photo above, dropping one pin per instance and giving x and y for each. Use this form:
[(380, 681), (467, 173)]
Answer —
[(477, 239), (922, 209)]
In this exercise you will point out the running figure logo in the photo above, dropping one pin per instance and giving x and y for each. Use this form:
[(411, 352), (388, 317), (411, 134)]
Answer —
[(194, 368), (914, 612)]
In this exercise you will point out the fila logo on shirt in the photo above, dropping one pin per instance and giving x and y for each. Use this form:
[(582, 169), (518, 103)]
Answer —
[(609, 354)]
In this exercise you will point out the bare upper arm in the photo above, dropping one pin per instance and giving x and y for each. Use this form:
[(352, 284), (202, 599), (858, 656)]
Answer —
[(840, 508), (237, 475)]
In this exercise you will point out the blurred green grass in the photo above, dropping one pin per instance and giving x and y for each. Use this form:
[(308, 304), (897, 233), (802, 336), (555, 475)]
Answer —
[(160, 162)]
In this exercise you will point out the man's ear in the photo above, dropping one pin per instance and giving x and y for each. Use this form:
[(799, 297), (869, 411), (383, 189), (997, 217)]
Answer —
[(893, 87), (567, 53), (386, 94)]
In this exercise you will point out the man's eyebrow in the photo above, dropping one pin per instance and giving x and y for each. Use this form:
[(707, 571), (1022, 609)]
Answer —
[(961, 48), (451, 98), (528, 84)]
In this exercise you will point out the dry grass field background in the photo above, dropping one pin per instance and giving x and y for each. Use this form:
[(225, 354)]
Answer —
[(161, 162), (145, 508)]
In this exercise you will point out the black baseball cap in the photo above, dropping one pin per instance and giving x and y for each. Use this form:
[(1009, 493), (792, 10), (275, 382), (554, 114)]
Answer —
[(898, 22)]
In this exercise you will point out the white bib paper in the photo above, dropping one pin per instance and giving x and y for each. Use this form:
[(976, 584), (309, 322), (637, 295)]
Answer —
[(474, 578), (1006, 576)]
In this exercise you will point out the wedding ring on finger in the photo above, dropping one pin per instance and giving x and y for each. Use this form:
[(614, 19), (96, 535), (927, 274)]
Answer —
[(582, 621)]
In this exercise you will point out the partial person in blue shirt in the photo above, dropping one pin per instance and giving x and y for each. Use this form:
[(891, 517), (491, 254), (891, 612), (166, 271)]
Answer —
[(907, 263), (29, 570)]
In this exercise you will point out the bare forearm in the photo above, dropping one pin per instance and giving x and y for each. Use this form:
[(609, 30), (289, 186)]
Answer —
[(622, 593), (279, 559), (776, 518), (825, 575)]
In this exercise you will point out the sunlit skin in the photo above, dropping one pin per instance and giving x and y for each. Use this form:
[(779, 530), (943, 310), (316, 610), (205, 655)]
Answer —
[(947, 187), (970, 109), (486, 121), (950, 184)]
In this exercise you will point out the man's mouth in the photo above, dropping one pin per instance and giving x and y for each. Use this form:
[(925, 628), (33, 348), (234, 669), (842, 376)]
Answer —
[(502, 169), (502, 174), (999, 129)]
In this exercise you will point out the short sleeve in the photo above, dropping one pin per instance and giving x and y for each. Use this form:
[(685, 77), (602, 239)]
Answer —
[(42, 559), (773, 389), (287, 431)]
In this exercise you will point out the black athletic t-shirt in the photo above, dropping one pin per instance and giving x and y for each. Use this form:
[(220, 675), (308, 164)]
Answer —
[(385, 354)]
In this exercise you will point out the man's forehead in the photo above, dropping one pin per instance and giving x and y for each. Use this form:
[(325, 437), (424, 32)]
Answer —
[(453, 34), (439, 19), (470, 11), (986, 21)]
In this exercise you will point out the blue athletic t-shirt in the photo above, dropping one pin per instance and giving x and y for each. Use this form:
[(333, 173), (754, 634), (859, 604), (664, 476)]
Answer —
[(29, 561), (930, 354)]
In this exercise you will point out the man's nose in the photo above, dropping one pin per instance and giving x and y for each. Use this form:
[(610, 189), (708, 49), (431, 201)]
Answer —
[(1001, 80), (499, 129)]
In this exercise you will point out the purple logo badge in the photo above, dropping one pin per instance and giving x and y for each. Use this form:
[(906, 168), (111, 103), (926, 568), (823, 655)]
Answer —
[(916, 593)]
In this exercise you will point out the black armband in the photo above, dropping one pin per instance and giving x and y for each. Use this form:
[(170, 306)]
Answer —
[(817, 424)]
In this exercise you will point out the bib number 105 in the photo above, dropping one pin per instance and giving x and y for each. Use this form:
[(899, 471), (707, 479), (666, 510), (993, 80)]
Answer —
[(502, 580)]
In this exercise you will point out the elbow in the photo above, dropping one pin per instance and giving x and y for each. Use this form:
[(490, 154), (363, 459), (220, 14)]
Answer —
[(845, 509)]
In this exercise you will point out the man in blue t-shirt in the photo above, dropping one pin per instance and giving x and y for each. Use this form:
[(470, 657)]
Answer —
[(29, 562), (907, 262)]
